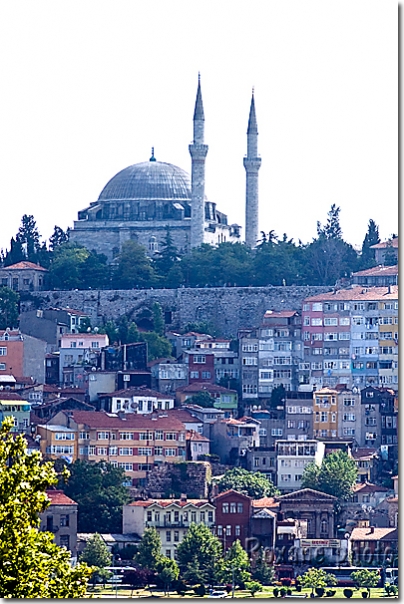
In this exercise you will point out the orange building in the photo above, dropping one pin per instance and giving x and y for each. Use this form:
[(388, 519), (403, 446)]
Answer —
[(325, 413), (135, 443)]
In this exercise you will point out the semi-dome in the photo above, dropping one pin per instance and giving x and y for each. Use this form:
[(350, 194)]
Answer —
[(150, 180)]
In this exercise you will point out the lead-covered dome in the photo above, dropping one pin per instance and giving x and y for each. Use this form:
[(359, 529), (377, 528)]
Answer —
[(150, 180)]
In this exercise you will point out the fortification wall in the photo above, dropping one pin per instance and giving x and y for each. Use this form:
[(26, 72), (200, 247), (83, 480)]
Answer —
[(227, 309)]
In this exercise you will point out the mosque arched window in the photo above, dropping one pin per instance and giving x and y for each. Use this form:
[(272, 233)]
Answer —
[(153, 245)]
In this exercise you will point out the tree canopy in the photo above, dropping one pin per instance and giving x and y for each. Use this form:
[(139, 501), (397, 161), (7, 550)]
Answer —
[(253, 484), (200, 553), (336, 475), (99, 492), (32, 565), (96, 553), (149, 549), (8, 308)]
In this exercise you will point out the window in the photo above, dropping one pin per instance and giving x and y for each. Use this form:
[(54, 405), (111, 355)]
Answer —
[(344, 321), (199, 358), (65, 541), (250, 361), (328, 336), (219, 530), (159, 435), (194, 374), (193, 516), (168, 536), (3, 351), (240, 507), (276, 431), (306, 306), (126, 466), (324, 527), (228, 530), (324, 416), (206, 375), (318, 306), (143, 436), (225, 508), (316, 366), (102, 451), (349, 402), (317, 337), (64, 520), (170, 452), (126, 435), (237, 530), (145, 451), (316, 322), (103, 435), (250, 347), (176, 536), (331, 321), (344, 335)]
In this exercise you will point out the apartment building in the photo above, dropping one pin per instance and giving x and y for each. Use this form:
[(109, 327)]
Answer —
[(292, 458), (232, 438), (135, 442), (167, 375), (225, 359), (78, 354), (16, 406), (60, 518), (233, 512), (248, 358), (299, 416), (325, 413), (223, 398), (51, 323), (22, 355), (135, 400), (201, 366), (170, 517), (350, 337), (350, 415)]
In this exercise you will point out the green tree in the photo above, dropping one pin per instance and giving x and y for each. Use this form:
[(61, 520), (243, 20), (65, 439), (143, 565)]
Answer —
[(336, 475), (94, 271), (96, 553), (28, 235), (157, 346), (158, 319), (15, 254), (366, 578), (65, 271), (253, 484), (390, 256), (253, 587), (99, 492), (8, 308), (236, 565), (199, 545), (58, 237), (203, 399), (134, 268), (314, 577), (167, 257), (31, 564), (167, 572), (263, 571), (148, 554), (367, 258)]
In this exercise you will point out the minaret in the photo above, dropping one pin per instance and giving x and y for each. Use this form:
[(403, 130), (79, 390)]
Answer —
[(252, 164), (198, 151)]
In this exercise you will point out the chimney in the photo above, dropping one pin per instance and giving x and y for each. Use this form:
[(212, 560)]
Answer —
[(184, 497), (121, 414), (371, 529)]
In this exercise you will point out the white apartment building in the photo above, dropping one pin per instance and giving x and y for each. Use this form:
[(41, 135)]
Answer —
[(292, 458), (170, 517)]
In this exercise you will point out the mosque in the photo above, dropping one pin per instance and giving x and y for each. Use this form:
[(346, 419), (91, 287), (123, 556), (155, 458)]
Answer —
[(141, 201)]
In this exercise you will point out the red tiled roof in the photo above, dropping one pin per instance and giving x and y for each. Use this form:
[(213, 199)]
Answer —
[(364, 452), (192, 435), (166, 502), (24, 264), (358, 292), (380, 246), (183, 416), (368, 487), (265, 502), (59, 498), (202, 386), (7, 395), (231, 491), (374, 534), (377, 270), (100, 419)]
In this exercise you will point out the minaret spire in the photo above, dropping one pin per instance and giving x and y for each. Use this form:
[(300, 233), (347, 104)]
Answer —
[(198, 151), (252, 164)]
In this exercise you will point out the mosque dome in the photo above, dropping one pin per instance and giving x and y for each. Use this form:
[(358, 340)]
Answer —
[(148, 181)]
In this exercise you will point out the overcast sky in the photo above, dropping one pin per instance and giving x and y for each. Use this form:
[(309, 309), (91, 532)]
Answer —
[(88, 87)]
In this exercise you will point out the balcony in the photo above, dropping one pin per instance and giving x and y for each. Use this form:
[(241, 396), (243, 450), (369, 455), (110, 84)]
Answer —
[(172, 524)]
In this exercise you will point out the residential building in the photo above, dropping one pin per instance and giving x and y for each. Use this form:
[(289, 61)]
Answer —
[(79, 353), (51, 324), (24, 276), (58, 441), (167, 375), (233, 512), (52, 368), (170, 517), (60, 518), (263, 522), (262, 459), (22, 355), (325, 413), (377, 276), (367, 462), (272, 424), (201, 366), (197, 445), (386, 248), (225, 359), (377, 544), (209, 416), (134, 442), (232, 438), (12, 404), (280, 351), (292, 458), (350, 337), (248, 359), (350, 415), (135, 400), (224, 399), (299, 416)]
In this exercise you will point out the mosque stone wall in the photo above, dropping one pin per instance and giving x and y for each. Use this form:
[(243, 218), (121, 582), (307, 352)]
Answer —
[(228, 309)]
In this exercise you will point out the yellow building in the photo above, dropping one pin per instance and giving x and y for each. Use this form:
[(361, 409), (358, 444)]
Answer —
[(58, 441), (325, 413), (388, 340)]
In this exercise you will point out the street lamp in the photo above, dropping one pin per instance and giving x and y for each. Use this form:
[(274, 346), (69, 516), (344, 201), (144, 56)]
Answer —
[(116, 559)]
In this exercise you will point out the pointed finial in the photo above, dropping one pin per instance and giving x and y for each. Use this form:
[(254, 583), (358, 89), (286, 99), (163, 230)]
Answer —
[(199, 77), (152, 155), (198, 112), (252, 120)]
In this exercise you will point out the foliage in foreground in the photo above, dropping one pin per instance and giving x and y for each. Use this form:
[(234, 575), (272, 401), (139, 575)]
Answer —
[(253, 484), (32, 565)]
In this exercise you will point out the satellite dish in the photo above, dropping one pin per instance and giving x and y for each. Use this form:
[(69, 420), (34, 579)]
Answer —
[(347, 535)]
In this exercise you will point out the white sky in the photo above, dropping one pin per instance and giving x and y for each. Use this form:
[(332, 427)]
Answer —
[(87, 88)]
